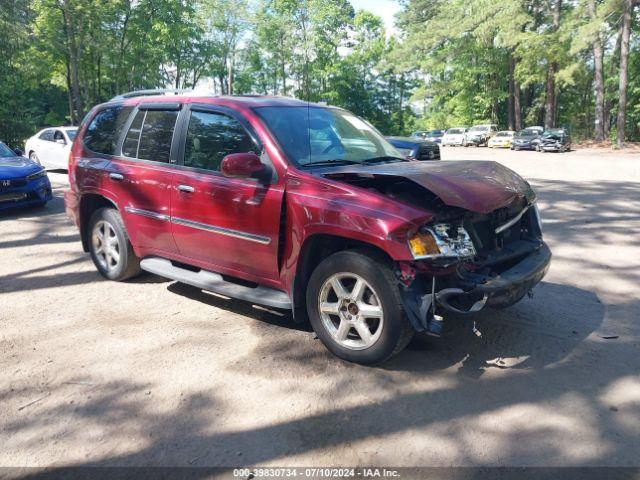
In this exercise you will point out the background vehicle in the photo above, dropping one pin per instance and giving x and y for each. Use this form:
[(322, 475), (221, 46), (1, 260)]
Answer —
[(51, 147), (526, 139), (454, 136), (304, 207), (554, 140), (415, 149), (480, 135), (502, 139), (22, 181), (433, 135)]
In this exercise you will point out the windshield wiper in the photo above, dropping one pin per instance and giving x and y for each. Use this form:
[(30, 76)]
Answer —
[(338, 161), (371, 161)]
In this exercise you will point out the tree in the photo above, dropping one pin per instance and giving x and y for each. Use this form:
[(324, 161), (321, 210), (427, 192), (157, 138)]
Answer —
[(624, 62)]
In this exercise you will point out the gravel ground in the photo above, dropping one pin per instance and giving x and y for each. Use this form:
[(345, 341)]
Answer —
[(150, 372)]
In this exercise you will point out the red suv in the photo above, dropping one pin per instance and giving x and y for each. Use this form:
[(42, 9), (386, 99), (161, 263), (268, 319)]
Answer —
[(303, 207)]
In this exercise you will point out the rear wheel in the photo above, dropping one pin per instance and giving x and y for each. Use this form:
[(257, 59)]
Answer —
[(110, 247), (355, 308)]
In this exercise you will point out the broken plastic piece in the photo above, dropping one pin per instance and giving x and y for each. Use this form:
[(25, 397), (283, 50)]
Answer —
[(475, 330)]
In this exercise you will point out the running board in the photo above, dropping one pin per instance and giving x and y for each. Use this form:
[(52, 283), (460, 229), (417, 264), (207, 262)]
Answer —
[(215, 283)]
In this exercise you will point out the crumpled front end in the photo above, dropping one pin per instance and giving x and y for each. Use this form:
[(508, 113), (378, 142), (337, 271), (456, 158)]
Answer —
[(467, 260)]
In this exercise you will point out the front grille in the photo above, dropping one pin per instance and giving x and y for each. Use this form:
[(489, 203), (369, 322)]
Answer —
[(428, 152), (482, 228), (13, 183)]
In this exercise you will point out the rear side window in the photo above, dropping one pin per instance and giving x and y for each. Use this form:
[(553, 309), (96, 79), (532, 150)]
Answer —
[(213, 136), (150, 135), (47, 135), (104, 130)]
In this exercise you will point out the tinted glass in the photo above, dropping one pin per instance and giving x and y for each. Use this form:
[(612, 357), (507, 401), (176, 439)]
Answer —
[(58, 136), (157, 132), (104, 130), (130, 144), (47, 135), (6, 151), (211, 137), (313, 134), (455, 131)]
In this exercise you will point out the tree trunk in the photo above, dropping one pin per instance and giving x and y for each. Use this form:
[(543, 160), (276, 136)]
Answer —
[(511, 98), (598, 76), (608, 104), (550, 100), (516, 105), (624, 63), (72, 47)]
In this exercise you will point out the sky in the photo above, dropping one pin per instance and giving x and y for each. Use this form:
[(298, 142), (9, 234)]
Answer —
[(383, 8)]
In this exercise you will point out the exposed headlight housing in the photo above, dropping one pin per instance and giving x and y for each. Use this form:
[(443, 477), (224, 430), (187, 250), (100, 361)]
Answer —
[(38, 174), (441, 240)]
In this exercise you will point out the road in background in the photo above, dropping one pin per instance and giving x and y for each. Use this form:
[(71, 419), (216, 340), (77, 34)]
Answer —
[(151, 372)]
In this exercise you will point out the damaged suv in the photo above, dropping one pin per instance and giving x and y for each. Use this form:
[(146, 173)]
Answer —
[(304, 207)]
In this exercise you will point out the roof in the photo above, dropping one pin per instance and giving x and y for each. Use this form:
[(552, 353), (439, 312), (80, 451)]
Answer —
[(246, 101)]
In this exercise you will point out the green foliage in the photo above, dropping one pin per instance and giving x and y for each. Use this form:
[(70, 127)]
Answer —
[(454, 62)]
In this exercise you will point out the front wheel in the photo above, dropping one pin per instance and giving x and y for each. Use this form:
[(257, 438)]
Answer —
[(34, 158), (110, 247), (355, 308)]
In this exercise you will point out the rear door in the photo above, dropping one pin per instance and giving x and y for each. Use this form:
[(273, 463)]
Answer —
[(139, 175), (227, 224)]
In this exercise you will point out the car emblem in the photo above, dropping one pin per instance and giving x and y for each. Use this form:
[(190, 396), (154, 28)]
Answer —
[(5, 183)]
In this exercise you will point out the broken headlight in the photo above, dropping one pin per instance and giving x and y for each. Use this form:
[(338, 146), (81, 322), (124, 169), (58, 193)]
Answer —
[(441, 240)]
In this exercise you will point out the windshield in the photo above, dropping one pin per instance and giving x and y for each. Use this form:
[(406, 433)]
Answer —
[(479, 129), (311, 135), (6, 151), (71, 133), (554, 132), (435, 133), (527, 133), (503, 134), (454, 131)]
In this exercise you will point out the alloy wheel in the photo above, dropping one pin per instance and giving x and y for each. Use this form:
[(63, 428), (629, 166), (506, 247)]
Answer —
[(106, 246), (351, 311)]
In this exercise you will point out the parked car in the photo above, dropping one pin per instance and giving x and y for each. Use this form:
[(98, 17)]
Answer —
[(303, 207), (480, 135), (454, 136), (51, 147), (22, 182), (502, 139), (527, 139), (433, 135), (554, 140), (415, 149)]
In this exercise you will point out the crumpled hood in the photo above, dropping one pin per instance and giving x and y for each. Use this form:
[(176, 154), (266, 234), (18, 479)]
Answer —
[(14, 167), (477, 186)]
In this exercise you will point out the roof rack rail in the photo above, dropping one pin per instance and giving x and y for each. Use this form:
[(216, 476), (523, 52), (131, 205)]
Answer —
[(147, 93)]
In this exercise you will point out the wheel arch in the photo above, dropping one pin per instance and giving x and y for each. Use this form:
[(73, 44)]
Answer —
[(89, 203), (313, 251)]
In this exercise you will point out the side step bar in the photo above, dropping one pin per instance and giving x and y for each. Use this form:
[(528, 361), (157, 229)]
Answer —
[(215, 283)]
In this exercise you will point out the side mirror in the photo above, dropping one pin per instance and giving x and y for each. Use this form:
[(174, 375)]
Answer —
[(18, 152), (241, 165)]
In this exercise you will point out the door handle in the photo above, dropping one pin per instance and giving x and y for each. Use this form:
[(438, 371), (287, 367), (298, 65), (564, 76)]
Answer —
[(116, 176), (186, 188)]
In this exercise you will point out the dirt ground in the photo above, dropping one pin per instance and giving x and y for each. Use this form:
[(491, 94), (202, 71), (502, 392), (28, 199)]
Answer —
[(150, 372)]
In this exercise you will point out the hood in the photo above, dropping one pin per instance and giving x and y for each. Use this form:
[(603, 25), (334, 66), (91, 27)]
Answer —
[(552, 139), (477, 186), (13, 167)]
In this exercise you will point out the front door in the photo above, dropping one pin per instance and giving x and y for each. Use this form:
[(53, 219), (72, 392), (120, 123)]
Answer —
[(227, 224)]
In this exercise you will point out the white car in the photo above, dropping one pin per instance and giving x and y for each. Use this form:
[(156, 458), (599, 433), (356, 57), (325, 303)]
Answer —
[(50, 147), (454, 136)]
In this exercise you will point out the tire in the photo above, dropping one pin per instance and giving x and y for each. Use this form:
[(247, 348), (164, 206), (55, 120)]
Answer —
[(106, 223), (389, 329), (34, 157)]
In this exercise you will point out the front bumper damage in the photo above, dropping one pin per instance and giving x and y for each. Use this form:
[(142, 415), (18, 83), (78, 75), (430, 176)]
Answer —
[(501, 280)]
